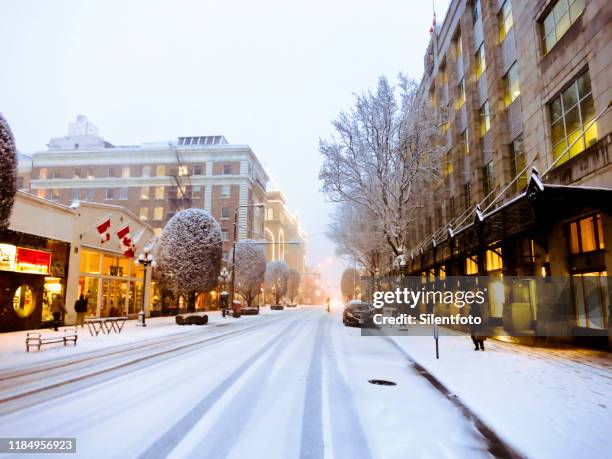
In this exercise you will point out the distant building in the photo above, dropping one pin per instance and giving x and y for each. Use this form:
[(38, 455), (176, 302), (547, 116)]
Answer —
[(152, 180)]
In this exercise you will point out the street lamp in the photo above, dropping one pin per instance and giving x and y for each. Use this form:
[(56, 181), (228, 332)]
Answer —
[(259, 205), (222, 280), (145, 259)]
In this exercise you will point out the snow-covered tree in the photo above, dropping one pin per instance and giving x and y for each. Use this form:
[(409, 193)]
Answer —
[(293, 284), (189, 254), (276, 277), (385, 145), (250, 267), (357, 236), (349, 283), (8, 172)]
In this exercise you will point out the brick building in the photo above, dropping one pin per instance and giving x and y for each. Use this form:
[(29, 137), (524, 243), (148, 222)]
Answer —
[(526, 84)]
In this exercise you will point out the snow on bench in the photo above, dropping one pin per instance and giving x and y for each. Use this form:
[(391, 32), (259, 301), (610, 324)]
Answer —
[(37, 339)]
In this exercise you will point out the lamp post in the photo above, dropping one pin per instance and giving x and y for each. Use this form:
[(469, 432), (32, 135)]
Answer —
[(259, 205), (145, 259), (222, 280)]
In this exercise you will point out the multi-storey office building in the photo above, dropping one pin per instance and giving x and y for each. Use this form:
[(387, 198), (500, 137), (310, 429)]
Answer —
[(525, 84), (153, 180)]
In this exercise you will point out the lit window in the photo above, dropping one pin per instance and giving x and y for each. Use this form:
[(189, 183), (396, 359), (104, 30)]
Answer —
[(481, 64), (225, 212), (125, 171), (55, 194), (571, 112), (110, 194), (511, 85), (458, 46), (485, 119), (43, 173), (269, 214), (586, 235), (160, 170), (123, 193), (471, 265), (157, 231), (558, 20), (158, 213), (591, 299), (225, 191), (144, 192), (461, 93), (517, 162), (183, 171), (494, 260), (465, 143), (146, 171), (144, 213), (505, 20), (91, 173), (488, 178), (159, 192)]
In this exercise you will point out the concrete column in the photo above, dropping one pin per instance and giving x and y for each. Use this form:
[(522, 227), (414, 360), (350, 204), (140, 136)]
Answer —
[(72, 282)]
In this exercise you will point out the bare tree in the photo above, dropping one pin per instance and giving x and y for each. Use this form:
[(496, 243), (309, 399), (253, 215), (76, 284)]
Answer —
[(293, 284), (8, 172), (189, 254), (348, 283), (276, 277), (385, 144), (250, 268)]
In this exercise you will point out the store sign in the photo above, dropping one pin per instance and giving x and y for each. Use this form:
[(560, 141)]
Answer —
[(32, 261), (7, 257)]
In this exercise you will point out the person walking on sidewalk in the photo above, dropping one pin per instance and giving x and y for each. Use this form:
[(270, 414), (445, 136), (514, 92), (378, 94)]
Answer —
[(477, 330), (80, 307), (57, 309)]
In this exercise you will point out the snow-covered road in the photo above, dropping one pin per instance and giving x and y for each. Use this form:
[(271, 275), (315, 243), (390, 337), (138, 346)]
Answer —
[(292, 383)]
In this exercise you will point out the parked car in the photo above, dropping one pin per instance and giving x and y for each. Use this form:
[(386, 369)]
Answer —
[(358, 313), (249, 311), (277, 307), (292, 305)]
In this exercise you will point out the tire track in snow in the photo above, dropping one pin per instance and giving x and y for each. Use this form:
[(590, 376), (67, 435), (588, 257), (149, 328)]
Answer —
[(167, 442)]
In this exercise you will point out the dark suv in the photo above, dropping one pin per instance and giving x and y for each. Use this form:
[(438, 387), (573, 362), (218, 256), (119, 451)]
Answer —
[(357, 313)]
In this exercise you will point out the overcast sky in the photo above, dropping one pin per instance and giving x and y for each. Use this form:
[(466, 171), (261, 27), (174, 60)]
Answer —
[(271, 74)]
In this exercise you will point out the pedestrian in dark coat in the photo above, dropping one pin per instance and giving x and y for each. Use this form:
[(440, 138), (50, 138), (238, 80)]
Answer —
[(477, 330)]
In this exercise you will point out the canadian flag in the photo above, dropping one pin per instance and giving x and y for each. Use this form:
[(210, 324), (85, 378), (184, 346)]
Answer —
[(104, 229), (126, 242)]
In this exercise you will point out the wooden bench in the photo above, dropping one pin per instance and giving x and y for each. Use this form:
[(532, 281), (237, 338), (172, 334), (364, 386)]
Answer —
[(36, 339)]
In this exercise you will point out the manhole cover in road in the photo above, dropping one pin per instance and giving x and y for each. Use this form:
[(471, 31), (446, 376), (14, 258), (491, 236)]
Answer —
[(382, 382)]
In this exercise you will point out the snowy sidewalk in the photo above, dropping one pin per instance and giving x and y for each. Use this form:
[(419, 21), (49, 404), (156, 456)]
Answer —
[(12, 344), (544, 402)]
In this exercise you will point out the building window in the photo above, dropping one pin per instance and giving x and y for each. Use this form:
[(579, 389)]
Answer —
[(485, 119), (269, 213), (91, 173), (225, 235), (586, 235), (76, 173), (123, 193), (493, 260), (89, 195), (146, 171), (112, 172), (571, 112), (511, 85), (144, 213), (558, 20), (125, 171), (488, 178), (144, 192), (195, 190), (158, 213), (110, 194), (183, 171), (591, 298), (481, 63), (475, 10), (517, 163), (227, 169), (471, 265), (20, 183), (75, 195), (157, 231), (225, 191), (159, 192), (459, 46), (198, 169), (464, 142), (225, 212), (160, 170), (467, 195), (43, 173), (55, 194), (505, 20), (461, 93)]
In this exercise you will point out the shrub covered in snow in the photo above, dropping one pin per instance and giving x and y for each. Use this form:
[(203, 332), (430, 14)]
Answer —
[(189, 253), (276, 279), (8, 172), (250, 267), (293, 284)]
